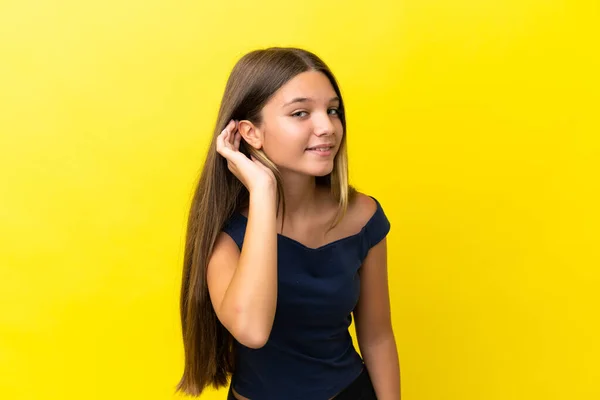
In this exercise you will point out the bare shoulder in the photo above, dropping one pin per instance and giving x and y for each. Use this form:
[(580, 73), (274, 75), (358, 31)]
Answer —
[(360, 210)]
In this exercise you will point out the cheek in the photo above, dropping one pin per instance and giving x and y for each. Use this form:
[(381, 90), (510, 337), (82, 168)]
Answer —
[(285, 141), (339, 126)]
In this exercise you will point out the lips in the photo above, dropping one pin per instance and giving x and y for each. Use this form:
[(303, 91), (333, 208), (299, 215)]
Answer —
[(321, 147)]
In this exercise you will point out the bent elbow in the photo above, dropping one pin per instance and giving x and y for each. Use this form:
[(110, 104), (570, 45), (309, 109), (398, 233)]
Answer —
[(252, 340), (252, 337), (251, 331), (255, 342)]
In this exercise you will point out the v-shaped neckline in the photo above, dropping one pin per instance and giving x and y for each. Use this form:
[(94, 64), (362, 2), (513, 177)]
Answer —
[(326, 245)]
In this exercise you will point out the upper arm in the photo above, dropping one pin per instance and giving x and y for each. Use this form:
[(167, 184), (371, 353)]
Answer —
[(372, 314), (220, 269)]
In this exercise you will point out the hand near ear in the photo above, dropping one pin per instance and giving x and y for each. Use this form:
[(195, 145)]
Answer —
[(251, 172)]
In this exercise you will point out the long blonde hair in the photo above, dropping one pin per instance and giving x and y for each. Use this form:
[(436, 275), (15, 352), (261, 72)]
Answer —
[(208, 346)]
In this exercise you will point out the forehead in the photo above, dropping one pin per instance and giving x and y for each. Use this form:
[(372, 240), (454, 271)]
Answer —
[(311, 84)]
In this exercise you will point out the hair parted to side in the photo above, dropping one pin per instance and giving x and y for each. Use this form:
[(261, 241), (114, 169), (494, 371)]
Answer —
[(208, 346)]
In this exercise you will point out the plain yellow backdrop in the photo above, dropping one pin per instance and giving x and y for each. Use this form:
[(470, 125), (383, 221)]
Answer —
[(475, 123)]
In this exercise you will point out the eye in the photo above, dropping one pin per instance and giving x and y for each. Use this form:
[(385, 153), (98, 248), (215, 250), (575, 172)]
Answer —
[(335, 110), (297, 114)]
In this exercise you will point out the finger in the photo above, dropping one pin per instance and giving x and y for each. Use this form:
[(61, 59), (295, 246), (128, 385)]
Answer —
[(227, 138), (226, 129), (229, 125), (232, 132), (226, 152), (223, 145), (238, 139), (220, 140)]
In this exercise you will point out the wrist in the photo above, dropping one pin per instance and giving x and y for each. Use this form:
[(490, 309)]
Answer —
[(264, 188), (263, 201)]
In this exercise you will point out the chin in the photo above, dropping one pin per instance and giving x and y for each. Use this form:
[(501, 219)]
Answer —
[(310, 168), (322, 171)]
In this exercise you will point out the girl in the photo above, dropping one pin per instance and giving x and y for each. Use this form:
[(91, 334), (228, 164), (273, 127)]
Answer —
[(281, 251)]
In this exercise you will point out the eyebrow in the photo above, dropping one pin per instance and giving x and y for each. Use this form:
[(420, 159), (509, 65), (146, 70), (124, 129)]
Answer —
[(307, 99)]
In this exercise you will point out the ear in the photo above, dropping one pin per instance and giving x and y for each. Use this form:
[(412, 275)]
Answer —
[(251, 133)]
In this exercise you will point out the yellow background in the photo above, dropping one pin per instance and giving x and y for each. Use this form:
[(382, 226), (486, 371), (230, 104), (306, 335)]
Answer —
[(475, 123)]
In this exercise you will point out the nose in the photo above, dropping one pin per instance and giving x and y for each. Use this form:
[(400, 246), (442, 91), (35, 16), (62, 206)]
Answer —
[(323, 126)]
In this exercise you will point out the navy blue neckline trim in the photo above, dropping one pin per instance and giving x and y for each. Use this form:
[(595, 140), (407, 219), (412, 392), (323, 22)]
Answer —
[(330, 244)]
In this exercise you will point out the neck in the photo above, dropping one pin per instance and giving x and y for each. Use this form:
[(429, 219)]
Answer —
[(301, 196)]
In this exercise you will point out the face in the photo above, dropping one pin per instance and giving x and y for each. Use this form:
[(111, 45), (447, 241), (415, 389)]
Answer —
[(302, 129)]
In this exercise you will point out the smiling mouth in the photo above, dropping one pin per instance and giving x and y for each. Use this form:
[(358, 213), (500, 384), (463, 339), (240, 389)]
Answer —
[(321, 151), (320, 148)]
